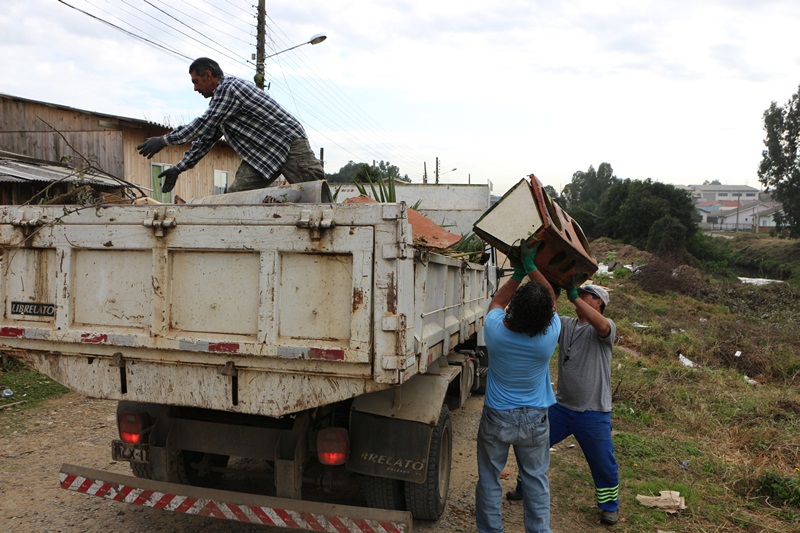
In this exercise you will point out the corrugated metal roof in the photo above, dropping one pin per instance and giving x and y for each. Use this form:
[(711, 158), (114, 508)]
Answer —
[(723, 188), (18, 171)]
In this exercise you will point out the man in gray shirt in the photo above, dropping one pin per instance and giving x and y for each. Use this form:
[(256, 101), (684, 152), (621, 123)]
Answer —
[(584, 393)]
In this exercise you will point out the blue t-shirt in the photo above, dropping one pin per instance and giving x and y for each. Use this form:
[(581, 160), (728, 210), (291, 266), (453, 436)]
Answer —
[(519, 372)]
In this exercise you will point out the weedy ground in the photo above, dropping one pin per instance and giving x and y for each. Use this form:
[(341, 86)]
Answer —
[(725, 432)]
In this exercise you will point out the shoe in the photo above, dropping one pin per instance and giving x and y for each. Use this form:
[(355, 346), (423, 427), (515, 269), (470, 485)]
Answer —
[(513, 495), (609, 517)]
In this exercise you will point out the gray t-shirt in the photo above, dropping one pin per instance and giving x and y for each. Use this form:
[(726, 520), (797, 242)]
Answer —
[(584, 366)]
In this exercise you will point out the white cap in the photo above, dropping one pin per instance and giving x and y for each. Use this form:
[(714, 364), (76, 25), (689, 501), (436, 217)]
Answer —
[(598, 291)]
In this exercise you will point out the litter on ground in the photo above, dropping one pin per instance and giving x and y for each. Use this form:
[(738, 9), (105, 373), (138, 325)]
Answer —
[(759, 281), (669, 501)]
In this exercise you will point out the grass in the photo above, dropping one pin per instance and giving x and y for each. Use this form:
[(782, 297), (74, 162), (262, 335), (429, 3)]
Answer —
[(732, 449), (28, 385)]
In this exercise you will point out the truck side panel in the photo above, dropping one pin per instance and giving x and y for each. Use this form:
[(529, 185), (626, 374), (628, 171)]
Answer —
[(262, 309)]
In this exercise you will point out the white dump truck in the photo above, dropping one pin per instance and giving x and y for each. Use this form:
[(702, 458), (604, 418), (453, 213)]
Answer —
[(310, 336)]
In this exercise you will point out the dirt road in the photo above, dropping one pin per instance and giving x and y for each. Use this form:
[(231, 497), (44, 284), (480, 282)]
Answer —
[(73, 429)]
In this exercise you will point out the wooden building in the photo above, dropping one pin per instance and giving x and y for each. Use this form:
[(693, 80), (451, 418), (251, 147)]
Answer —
[(62, 134)]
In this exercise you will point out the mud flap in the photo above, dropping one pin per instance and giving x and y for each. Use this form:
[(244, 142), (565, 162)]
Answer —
[(389, 448), (390, 430)]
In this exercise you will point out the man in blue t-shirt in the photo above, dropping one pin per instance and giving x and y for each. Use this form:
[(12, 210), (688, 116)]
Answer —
[(521, 331), (584, 394)]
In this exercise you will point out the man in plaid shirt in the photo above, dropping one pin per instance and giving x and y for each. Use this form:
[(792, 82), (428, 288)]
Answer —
[(269, 140)]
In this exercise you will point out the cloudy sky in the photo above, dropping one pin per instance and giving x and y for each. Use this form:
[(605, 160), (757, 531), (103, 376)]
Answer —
[(672, 91)]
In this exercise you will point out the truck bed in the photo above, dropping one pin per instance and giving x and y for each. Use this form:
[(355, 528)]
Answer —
[(260, 309)]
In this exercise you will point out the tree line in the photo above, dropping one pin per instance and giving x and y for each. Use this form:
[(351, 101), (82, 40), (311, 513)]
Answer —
[(653, 216), (647, 214), (364, 173), (779, 170), (661, 218)]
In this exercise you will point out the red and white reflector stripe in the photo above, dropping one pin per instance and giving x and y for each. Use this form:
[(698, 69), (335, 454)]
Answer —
[(255, 514)]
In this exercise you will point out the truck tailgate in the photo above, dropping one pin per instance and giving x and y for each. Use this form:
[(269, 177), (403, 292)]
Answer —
[(263, 309)]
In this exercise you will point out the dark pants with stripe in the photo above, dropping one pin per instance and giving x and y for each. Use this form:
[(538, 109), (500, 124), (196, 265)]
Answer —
[(592, 430)]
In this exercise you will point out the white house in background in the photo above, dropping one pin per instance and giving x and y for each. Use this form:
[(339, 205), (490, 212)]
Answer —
[(705, 212), (766, 218), (721, 193), (751, 216)]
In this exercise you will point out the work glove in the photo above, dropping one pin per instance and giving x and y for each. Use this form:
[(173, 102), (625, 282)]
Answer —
[(151, 146), (170, 178), (572, 294), (528, 254), (519, 270), (574, 283), (556, 290)]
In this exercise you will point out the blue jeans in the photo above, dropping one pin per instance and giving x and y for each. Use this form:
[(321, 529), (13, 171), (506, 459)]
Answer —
[(527, 430)]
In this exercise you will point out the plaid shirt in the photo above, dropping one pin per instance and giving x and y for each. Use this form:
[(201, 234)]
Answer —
[(259, 129)]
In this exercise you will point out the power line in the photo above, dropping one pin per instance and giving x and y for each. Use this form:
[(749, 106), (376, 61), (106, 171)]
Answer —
[(136, 15), (224, 21), (355, 114), (191, 28), (325, 104), (143, 39), (345, 99), (236, 6)]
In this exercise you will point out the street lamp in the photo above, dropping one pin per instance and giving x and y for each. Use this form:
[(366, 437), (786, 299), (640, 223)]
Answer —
[(316, 39), (259, 77)]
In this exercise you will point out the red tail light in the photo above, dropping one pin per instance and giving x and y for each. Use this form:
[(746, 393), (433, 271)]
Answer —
[(131, 426), (332, 444)]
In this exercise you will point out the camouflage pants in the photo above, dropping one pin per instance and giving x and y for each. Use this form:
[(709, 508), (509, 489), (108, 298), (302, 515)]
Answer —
[(301, 165)]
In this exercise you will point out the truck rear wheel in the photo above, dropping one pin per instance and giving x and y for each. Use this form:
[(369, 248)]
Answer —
[(383, 493), (142, 470), (481, 363), (427, 500), (194, 468)]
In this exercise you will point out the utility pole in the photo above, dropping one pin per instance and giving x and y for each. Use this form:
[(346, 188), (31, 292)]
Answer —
[(424, 172), (260, 38), (738, 208), (437, 170)]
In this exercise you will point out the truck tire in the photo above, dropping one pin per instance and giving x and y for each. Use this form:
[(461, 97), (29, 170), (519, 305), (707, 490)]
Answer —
[(478, 386), (427, 500), (142, 470), (192, 475), (383, 493), (481, 370)]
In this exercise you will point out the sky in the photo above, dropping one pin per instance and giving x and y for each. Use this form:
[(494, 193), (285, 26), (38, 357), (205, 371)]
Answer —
[(673, 91)]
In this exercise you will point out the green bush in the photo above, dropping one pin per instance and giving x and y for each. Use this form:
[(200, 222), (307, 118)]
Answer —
[(780, 490)]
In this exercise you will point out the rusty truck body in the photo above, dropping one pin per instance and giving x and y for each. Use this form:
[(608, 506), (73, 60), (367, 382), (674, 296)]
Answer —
[(311, 336)]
